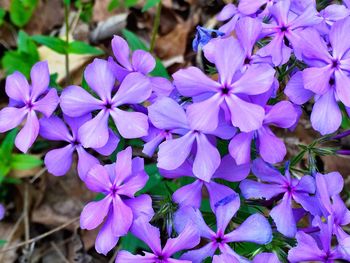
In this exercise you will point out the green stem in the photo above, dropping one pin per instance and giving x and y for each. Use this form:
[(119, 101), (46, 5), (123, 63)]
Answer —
[(66, 16), (156, 26)]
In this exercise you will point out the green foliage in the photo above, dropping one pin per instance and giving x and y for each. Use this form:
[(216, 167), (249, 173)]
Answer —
[(86, 8), (21, 11), (2, 242), (132, 243), (149, 4), (10, 161), (2, 15), (60, 46), (23, 58), (136, 43)]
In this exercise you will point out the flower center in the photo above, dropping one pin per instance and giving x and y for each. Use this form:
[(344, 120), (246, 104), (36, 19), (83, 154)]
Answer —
[(29, 105), (335, 63), (283, 29), (225, 90), (247, 60), (108, 105)]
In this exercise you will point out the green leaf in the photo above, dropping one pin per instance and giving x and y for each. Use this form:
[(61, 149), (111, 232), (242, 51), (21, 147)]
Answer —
[(2, 242), (160, 70), (66, 2), (130, 3), (21, 11), (113, 4), (149, 4), (79, 47), (134, 41), (53, 43), (8, 144), (27, 45), (16, 61), (2, 15), (25, 161), (131, 243), (4, 170)]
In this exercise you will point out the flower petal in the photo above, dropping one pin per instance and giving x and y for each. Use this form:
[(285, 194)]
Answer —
[(54, 129), (48, 104), (126, 257), (317, 79), (94, 133), (111, 145), (122, 217), (105, 240), (17, 87), (100, 78), (338, 39), (130, 124), (143, 61), (240, 147), (218, 192), (11, 117), (266, 258), (244, 115), (161, 86), (167, 114), (59, 161), (173, 153), (282, 215), (326, 116), (123, 165), (94, 213), (225, 210), (192, 81), (198, 255), (85, 162), (255, 229), (282, 114), (134, 89), (207, 158), (133, 184), (121, 51), (97, 179), (189, 195), (342, 84), (29, 133), (141, 206), (255, 190), (249, 7), (295, 90), (267, 172), (230, 171), (75, 102), (40, 77)]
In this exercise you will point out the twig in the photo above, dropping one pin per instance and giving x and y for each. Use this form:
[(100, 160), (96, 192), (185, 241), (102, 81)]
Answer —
[(10, 236), (156, 27), (40, 173), (35, 239), (59, 252)]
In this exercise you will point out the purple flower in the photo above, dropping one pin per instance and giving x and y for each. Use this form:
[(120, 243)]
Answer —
[(166, 114), (139, 61), (2, 211), (266, 258), (191, 194), (329, 187), (249, 7), (25, 101), (224, 258), (271, 148), (118, 182), (327, 76), (330, 15), (317, 248), (229, 93), (231, 13), (284, 30), (277, 184), (187, 239), (75, 102), (59, 161), (203, 36), (255, 229)]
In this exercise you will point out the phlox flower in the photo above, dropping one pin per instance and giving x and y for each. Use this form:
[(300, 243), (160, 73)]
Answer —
[(2, 211), (271, 148), (274, 184), (203, 36), (59, 161), (139, 61), (187, 239), (230, 92), (119, 208), (255, 229), (330, 15), (266, 258), (327, 76), (250, 7), (231, 14), (191, 194), (168, 115), (284, 30), (25, 101), (316, 248), (76, 102)]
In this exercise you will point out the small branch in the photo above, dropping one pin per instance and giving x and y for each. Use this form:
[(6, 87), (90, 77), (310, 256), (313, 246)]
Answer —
[(26, 214), (59, 252), (35, 239), (156, 26)]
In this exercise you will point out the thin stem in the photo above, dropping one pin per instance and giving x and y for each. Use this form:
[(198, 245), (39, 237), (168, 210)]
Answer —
[(66, 17), (156, 26)]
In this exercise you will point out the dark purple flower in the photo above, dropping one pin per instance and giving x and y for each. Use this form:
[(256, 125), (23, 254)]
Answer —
[(167, 115), (229, 93), (118, 182), (271, 148), (317, 248), (26, 101), (187, 239), (2, 212), (191, 194), (277, 184), (59, 161), (203, 36), (75, 102), (255, 229), (284, 30), (139, 61)]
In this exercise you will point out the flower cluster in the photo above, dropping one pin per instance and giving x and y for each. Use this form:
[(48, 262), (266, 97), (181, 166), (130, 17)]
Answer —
[(219, 130)]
